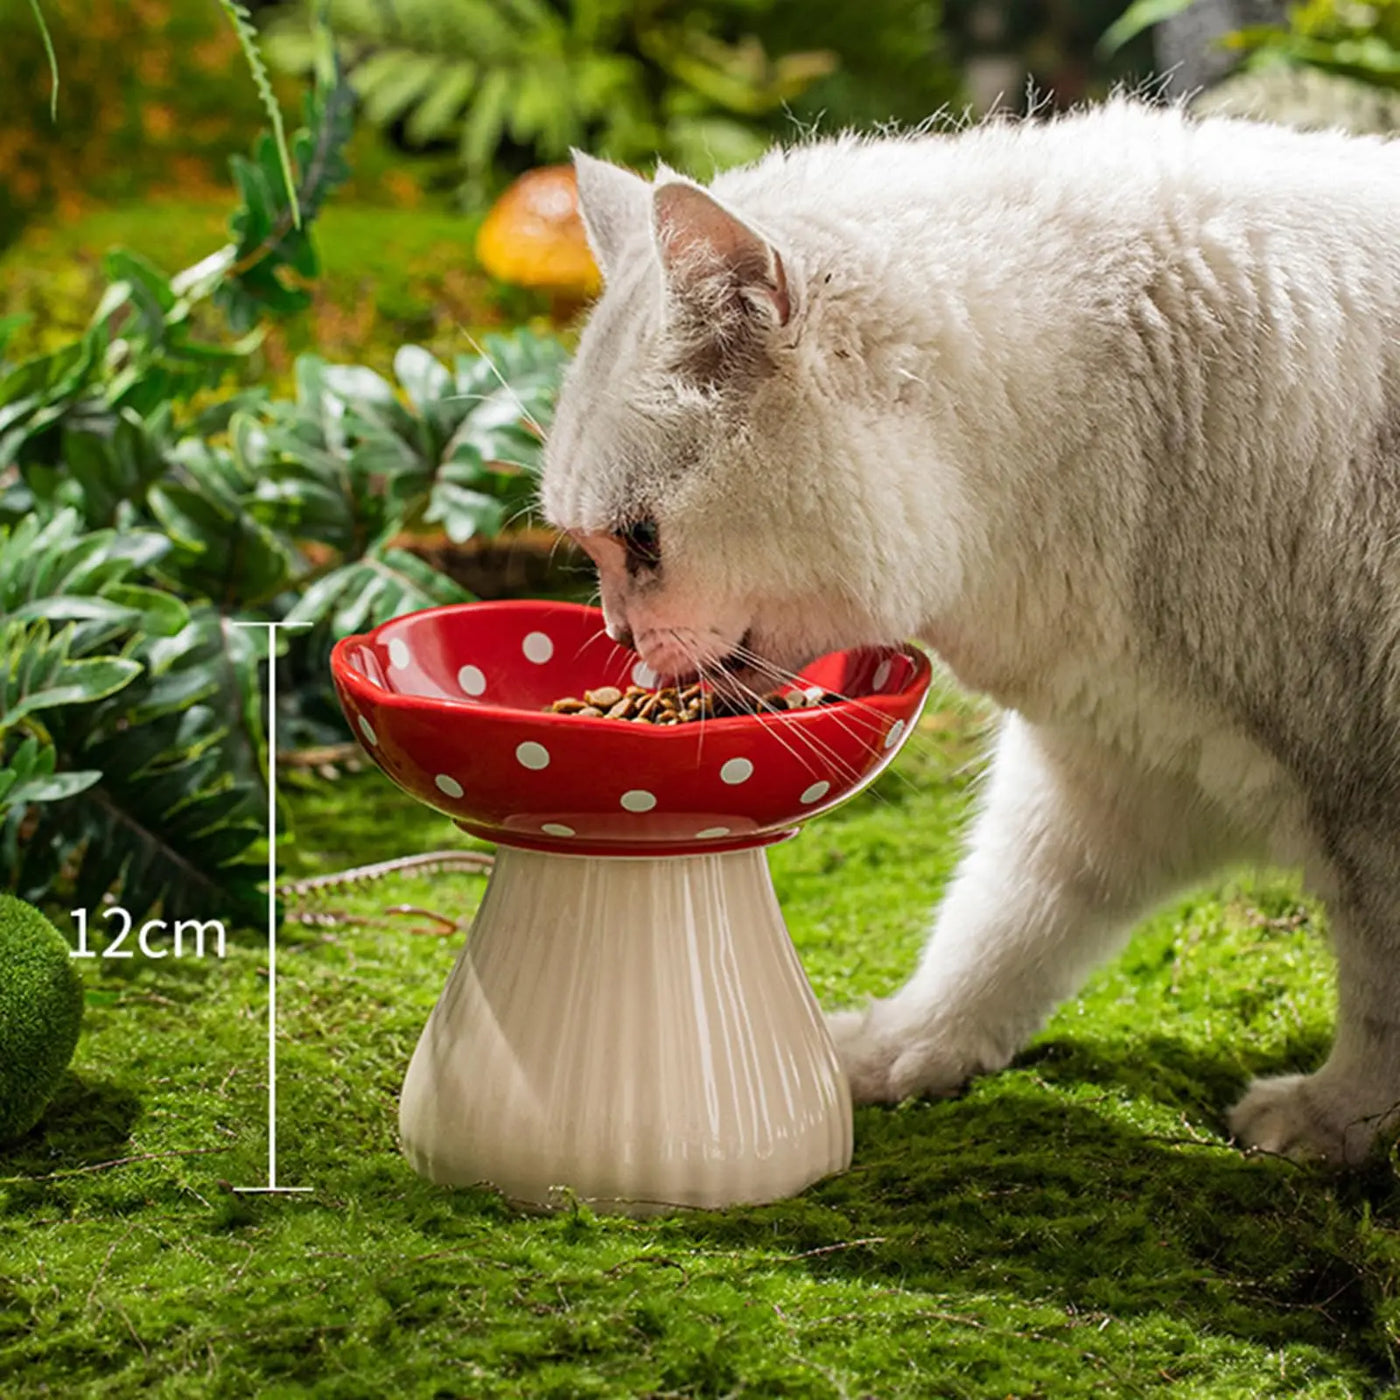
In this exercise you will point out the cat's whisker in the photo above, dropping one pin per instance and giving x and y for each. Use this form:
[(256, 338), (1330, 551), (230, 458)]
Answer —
[(789, 677), (555, 547), (779, 673), (593, 637), (814, 753), (801, 730), (781, 676), (796, 729), (523, 513), (792, 678), (526, 416), (684, 638), (693, 656), (820, 747), (589, 640)]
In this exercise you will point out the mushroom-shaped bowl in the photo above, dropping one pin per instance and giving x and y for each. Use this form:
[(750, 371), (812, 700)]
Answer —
[(452, 705), (628, 1017)]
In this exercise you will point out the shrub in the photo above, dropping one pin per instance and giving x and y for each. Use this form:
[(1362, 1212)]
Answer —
[(1350, 39), (145, 512), (41, 1013), (1339, 36)]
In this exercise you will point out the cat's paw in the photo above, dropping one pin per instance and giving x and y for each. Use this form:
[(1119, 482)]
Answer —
[(1302, 1116), (887, 1061)]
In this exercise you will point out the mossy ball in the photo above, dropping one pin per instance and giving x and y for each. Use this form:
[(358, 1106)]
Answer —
[(41, 1011)]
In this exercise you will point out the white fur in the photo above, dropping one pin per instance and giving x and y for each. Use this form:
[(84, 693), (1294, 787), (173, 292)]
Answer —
[(1092, 407)]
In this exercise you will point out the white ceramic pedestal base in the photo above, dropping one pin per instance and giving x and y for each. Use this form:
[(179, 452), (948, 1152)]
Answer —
[(638, 1031)]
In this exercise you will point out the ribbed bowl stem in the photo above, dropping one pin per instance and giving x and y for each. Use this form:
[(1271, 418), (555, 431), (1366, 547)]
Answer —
[(638, 1031)]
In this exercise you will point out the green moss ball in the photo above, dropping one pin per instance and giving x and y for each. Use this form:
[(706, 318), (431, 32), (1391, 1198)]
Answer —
[(41, 1011)]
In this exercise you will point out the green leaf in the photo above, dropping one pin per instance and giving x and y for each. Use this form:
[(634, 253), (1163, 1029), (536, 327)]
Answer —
[(423, 377), (28, 776), (67, 609), (1140, 15), (391, 82), (356, 385), (222, 550), (373, 589), (41, 373), (50, 789), (82, 683), (464, 512), (58, 571), (42, 675), (182, 795), (242, 22), (486, 120), (123, 266), (437, 114), (53, 60), (162, 614)]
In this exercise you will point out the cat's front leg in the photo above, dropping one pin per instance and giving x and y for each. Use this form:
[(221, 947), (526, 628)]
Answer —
[(1070, 846), (1336, 1114)]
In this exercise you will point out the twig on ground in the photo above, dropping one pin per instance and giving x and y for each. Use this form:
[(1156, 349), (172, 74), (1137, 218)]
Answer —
[(115, 1162), (835, 1248)]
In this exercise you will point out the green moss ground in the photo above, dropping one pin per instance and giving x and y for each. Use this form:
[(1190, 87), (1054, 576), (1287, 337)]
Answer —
[(1077, 1226)]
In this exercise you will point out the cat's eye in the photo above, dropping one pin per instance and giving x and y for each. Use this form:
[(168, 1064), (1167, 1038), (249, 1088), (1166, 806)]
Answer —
[(642, 540)]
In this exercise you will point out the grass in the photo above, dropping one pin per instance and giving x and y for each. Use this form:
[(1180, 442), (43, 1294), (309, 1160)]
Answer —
[(1076, 1226)]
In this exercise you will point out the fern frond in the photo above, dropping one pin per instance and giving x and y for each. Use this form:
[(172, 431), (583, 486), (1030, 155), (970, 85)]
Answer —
[(242, 21)]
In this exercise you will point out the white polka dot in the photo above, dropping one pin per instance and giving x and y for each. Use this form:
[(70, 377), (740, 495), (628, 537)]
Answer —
[(737, 770), (532, 755), (398, 653), (471, 679), (816, 792), (537, 648), (642, 674), (712, 831), (882, 674), (367, 729), (639, 800), (892, 738), (449, 785), (557, 829)]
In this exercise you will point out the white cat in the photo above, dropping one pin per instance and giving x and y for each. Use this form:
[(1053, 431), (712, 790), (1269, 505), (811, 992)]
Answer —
[(1106, 410)]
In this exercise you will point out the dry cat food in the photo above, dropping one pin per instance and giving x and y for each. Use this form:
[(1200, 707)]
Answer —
[(677, 705)]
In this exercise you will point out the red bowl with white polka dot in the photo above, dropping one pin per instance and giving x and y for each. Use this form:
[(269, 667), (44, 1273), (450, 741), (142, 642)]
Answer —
[(451, 704)]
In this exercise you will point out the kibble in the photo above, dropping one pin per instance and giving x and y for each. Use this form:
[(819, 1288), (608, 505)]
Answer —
[(679, 704)]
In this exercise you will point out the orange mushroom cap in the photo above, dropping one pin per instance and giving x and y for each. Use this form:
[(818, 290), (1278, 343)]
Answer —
[(533, 235)]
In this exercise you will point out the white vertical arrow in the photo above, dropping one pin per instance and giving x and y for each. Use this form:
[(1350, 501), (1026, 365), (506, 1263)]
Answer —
[(272, 1185)]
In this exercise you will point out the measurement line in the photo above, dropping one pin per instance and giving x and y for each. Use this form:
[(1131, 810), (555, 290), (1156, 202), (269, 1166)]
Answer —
[(272, 1186)]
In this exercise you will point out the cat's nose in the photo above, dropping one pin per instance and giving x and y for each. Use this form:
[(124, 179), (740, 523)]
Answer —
[(620, 633)]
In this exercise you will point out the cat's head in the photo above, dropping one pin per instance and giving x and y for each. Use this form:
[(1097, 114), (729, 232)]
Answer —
[(715, 447)]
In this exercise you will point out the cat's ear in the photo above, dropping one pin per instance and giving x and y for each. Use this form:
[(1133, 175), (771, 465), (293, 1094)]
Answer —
[(713, 259), (614, 205)]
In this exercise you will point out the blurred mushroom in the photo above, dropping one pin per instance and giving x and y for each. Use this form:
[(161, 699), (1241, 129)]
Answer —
[(533, 237)]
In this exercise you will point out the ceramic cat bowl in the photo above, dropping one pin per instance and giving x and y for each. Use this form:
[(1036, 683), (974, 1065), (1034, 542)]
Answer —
[(628, 1019)]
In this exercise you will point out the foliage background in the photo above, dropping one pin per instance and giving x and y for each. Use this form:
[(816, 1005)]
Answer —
[(155, 97)]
